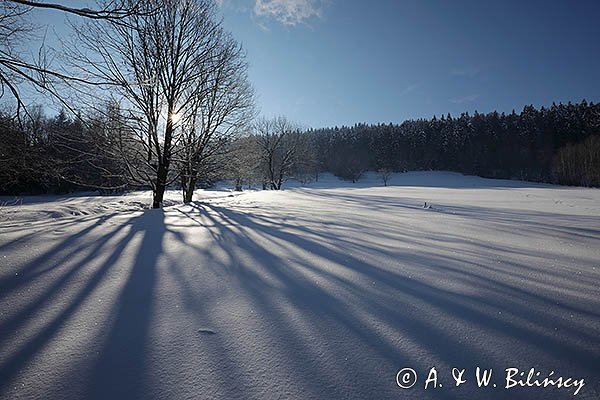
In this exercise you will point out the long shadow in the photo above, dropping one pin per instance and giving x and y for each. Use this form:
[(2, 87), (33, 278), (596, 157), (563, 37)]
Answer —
[(568, 349), (317, 306), (119, 372), (378, 311), (447, 263), (301, 229), (12, 364), (32, 271), (13, 282), (120, 364)]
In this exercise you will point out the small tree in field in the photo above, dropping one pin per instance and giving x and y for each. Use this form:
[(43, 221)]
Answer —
[(277, 141), (385, 174)]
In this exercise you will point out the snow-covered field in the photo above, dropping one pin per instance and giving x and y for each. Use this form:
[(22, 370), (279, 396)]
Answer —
[(323, 292)]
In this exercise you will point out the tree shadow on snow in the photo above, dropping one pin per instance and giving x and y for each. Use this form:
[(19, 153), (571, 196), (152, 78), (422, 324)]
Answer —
[(502, 317), (69, 280), (323, 309)]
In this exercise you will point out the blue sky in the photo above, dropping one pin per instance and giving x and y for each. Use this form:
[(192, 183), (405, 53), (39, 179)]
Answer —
[(335, 62)]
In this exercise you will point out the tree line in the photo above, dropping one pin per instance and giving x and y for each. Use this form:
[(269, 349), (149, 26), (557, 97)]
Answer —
[(556, 144)]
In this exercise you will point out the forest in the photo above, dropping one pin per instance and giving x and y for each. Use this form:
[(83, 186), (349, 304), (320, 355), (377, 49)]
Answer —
[(559, 144), (556, 144)]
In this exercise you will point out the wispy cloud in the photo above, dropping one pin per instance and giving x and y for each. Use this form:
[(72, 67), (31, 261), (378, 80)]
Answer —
[(466, 99), (241, 6), (469, 72), (410, 88), (289, 12)]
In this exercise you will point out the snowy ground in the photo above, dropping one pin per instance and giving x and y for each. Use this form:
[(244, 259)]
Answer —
[(310, 293)]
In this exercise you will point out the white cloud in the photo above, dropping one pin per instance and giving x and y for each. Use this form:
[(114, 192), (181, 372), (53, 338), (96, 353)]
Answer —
[(238, 6), (469, 71), (410, 88), (289, 12), (466, 99)]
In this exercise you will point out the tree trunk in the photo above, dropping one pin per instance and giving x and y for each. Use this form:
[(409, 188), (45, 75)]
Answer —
[(158, 195), (161, 185), (184, 182), (163, 167), (188, 191)]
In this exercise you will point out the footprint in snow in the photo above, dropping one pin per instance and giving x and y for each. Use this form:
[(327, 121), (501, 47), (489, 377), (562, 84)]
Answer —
[(206, 331)]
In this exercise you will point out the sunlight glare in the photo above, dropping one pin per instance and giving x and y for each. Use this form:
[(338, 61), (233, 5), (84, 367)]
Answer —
[(175, 117)]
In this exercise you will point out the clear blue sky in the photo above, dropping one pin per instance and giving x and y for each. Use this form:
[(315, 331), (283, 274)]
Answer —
[(334, 62)]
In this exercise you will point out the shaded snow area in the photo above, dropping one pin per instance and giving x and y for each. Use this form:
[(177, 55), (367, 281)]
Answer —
[(43, 208), (320, 292)]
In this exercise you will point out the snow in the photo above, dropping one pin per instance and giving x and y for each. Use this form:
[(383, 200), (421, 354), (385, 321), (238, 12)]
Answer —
[(40, 208), (318, 292)]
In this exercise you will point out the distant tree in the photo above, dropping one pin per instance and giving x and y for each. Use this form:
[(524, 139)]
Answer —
[(348, 152), (243, 162), (278, 141), (557, 144), (516, 145), (579, 164), (384, 174)]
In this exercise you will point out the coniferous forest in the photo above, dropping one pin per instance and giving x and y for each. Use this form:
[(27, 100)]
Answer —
[(559, 144)]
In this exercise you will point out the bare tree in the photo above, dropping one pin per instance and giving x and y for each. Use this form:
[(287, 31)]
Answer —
[(111, 10), (159, 64), (277, 140), (222, 106), (385, 174), (17, 69), (243, 165), (305, 166), (14, 30)]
